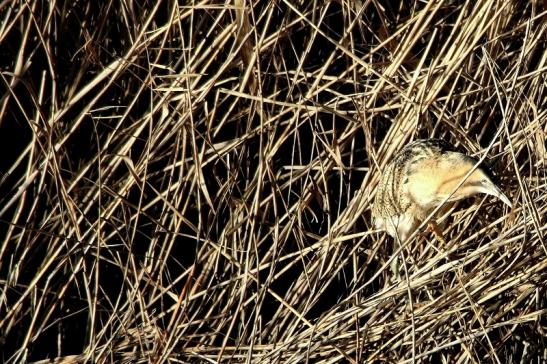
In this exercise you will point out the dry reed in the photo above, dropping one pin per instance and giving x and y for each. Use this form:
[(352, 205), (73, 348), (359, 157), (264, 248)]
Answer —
[(192, 181)]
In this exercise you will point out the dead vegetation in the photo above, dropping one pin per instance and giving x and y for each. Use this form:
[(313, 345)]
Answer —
[(192, 181)]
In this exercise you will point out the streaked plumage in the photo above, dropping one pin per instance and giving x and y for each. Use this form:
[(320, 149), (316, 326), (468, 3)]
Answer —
[(419, 178)]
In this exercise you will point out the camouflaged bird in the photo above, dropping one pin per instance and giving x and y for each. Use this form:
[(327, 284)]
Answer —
[(419, 178)]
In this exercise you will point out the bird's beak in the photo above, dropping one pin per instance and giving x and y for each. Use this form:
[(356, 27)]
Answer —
[(493, 190)]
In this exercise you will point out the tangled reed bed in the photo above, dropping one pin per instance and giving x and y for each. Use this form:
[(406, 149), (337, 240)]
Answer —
[(192, 182)]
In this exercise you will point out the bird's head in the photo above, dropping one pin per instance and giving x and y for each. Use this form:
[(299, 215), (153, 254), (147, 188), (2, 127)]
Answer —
[(481, 180)]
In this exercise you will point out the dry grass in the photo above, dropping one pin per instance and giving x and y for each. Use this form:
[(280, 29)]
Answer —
[(192, 183)]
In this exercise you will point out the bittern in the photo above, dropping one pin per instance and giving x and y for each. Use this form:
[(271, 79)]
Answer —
[(422, 176)]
